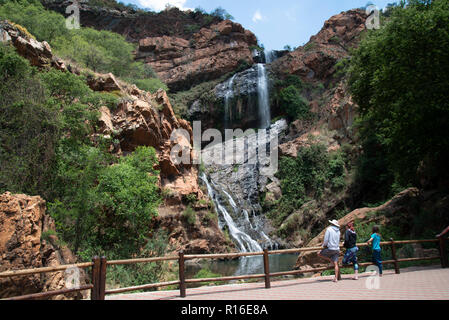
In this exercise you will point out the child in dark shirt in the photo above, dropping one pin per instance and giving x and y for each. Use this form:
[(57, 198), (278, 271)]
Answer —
[(351, 248)]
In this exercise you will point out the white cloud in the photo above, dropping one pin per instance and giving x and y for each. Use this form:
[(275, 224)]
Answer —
[(159, 5), (257, 16)]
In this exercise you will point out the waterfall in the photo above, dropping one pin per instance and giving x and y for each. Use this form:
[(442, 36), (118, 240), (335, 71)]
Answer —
[(235, 188), (263, 95), (227, 98), (243, 241), (270, 56)]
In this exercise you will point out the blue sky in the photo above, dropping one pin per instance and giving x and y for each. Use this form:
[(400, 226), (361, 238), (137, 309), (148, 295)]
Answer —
[(275, 23)]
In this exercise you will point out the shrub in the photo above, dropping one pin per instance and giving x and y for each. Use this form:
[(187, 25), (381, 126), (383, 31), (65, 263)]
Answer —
[(309, 46), (222, 14), (207, 274), (140, 273), (293, 104), (102, 51), (189, 215), (43, 24), (305, 177), (151, 84)]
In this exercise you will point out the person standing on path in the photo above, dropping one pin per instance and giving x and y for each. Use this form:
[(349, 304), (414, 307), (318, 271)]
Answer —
[(377, 257), (331, 245), (351, 248)]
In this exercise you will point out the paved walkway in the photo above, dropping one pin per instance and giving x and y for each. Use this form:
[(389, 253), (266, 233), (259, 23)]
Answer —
[(418, 283)]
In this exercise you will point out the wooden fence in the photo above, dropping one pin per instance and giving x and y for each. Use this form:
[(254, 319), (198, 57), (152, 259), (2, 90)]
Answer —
[(99, 269)]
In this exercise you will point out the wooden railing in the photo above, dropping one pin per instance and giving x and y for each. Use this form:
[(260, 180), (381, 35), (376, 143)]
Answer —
[(99, 269), (17, 273)]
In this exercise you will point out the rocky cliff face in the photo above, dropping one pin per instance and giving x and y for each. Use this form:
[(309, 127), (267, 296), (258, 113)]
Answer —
[(23, 223), (200, 236), (209, 54), (334, 113), (316, 60), (184, 48), (140, 119), (38, 53), (234, 103), (145, 119)]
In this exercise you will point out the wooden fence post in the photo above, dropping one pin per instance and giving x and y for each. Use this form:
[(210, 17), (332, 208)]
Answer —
[(266, 267), (443, 253), (94, 292), (395, 258), (102, 279), (182, 279)]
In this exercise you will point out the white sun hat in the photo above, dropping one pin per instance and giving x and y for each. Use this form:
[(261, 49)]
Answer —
[(335, 223)]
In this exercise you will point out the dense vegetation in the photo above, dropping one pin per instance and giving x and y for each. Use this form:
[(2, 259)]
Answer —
[(100, 204), (100, 51), (305, 178), (291, 97), (290, 100), (399, 76)]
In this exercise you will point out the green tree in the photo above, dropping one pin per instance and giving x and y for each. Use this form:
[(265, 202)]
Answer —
[(29, 127), (128, 197), (44, 25), (221, 14), (101, 51), (306, 176), (399, 76), (293, 104)]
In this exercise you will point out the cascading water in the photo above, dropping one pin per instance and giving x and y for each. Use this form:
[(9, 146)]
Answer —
[(263, 95), (270, 56), (235, 188), (243, 241), (227, 99)]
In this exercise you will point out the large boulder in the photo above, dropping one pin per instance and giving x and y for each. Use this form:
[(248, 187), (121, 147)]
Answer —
[(103, 82), (23, 223)]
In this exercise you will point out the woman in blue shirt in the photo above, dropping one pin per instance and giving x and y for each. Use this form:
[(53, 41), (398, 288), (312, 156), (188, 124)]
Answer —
[(375, 239)]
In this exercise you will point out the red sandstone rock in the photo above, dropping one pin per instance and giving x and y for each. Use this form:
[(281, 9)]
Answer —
[(103, 82), (148, 120), (38, 53), (210, 53), (317, 58), (22, 223)]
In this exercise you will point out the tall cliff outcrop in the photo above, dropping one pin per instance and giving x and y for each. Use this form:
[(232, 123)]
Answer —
[(209, 54), (145, 119), (184, 48), (334, 113), (316, 60), (39, 54), (24, 225), (316, 63)]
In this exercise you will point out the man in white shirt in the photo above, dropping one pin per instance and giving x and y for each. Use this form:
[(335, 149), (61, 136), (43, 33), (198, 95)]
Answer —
[(331, 245)]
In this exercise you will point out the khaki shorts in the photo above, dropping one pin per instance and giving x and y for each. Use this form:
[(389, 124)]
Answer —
[(331, 254)]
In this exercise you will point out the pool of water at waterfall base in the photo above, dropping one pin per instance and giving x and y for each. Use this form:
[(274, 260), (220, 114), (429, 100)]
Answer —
[(243, 265)]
